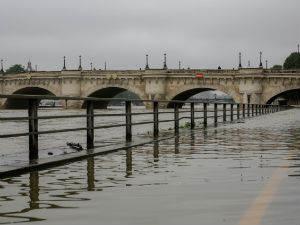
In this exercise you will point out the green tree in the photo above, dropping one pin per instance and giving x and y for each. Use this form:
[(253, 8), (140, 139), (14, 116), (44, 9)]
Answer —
[(277, 67), (292, 61), (17, 68)]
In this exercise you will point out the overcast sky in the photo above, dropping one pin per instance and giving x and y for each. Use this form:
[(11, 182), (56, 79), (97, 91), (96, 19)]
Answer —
[(199, 33)]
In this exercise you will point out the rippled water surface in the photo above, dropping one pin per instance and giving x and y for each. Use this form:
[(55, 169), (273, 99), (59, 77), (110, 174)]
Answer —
[(206, 176)]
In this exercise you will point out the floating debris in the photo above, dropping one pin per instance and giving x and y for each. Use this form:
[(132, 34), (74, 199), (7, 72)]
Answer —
[(75, 146)]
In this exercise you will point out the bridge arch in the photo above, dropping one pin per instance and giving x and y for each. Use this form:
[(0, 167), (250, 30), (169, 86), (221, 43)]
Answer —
[(23, 103), (110, 92), (282, 91), (185, 92)]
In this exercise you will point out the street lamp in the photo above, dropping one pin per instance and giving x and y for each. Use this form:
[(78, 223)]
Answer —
[(260, 63), (147, 65), (165, 62), (64, 68), (80, 67), (2, 71)]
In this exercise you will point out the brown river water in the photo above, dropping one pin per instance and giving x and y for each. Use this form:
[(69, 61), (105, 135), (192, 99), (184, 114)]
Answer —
[(206, 176)]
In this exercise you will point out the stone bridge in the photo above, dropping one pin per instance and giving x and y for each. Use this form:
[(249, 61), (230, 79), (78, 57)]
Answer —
[(254, 85)]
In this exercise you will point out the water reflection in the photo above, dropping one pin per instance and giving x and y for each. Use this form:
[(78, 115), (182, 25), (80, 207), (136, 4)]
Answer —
[(13, 216), (192, 143), (176, 145), (90, 174), (34, 190), (224, 156), (156, 151), (128, 163)]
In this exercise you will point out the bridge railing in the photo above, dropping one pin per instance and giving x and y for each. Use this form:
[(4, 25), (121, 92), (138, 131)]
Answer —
[(220, 112)]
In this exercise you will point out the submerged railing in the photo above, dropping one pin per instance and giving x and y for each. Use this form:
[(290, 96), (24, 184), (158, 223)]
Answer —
[(235, 110)]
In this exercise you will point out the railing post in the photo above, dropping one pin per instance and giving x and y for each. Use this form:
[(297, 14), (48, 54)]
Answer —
[(192, 115), (252, 108), (205, 114), (155, 119), (176, 118), (231, 112), (238, 111), (248, 110), (262, 109), (265, 109), (243, 110), (90, 124), (256, 113), (216, 113), (224, 112), (33, 127), (128, 121)]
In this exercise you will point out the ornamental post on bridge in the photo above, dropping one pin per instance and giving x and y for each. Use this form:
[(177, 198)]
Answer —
[(240, 60), (80, 67), (147, 65), (64, 67), (2, 71), (260, 62), (165, 62)]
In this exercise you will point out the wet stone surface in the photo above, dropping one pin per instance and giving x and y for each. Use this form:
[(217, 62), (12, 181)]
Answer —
[(206, 176)]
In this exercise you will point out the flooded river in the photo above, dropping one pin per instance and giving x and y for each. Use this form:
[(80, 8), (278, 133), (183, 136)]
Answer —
[(236, 173)]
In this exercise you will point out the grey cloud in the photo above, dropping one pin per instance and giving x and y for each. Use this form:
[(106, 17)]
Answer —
[(200, 33)]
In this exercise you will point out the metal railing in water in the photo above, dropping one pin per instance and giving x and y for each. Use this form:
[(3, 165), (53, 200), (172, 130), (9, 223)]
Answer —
[(235, 110)]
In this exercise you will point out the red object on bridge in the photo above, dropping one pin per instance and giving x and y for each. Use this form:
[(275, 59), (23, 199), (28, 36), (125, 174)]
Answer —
[(199, 75)]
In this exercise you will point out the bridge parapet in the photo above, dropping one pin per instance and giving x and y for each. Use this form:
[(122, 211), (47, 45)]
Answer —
[(192, 72)]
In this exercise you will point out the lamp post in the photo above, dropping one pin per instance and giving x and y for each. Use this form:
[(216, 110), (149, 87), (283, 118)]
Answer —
[(266, 64), (260, 63), (165, 62), (147, 65), (64, 67), (91, 66), (240, 60), (2, 71), (179, 64), (80, 67)]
